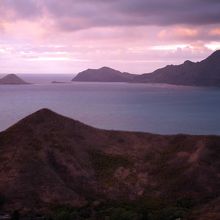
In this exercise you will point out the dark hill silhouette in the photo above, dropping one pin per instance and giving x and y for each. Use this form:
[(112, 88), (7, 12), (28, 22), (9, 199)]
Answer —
[(204, 73), (47, 159), (12, 79), (104, 74)]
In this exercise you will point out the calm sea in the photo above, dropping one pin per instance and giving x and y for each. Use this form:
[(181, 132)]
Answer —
[(158, 108)]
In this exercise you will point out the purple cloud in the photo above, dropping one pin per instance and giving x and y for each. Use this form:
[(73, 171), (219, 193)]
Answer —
[(20, 9), (76, 14), (132, 35)]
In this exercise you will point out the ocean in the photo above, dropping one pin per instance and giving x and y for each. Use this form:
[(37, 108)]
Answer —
[(154, 108)]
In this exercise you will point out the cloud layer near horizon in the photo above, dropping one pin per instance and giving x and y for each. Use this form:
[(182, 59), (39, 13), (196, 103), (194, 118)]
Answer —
[(137, 36)]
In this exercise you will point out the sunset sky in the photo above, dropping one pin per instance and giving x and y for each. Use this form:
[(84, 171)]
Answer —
[(137, 36)]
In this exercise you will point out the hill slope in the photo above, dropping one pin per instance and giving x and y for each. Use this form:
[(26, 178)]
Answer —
[(12, 79), (204, 73), (104, 74), (47, 159)]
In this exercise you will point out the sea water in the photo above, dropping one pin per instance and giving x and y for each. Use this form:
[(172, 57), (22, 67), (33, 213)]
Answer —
[(155, 108)]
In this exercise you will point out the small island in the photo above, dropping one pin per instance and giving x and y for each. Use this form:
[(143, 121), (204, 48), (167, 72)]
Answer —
[(12, 79)]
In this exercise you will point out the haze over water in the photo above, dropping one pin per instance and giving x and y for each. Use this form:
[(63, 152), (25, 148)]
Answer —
[(158, 108)]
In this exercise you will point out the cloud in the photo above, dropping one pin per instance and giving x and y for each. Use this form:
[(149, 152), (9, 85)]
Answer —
[(189, 34), (20, 9), (169, 12), (178, 32), (215, 32), (73, 15), (130, 35)]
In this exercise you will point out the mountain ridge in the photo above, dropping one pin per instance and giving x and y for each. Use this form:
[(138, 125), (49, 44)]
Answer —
[(203, 73)]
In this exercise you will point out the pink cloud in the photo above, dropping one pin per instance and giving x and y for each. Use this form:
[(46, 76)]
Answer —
[(215, 32), (72, 35)]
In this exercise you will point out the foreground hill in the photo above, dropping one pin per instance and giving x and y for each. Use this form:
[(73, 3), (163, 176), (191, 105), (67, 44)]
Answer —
[(12, 79), (104, 74), (204, 73), (48, 160)]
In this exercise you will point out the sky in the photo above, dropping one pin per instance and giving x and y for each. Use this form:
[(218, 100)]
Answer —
[(137, 36)]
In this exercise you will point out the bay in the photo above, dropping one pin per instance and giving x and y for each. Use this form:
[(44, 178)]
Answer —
[(154, 108)]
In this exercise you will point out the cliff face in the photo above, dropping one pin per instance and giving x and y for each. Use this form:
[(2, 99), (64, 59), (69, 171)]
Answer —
[(204, 73), (47, 159), (104, 74), (12, 79)]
